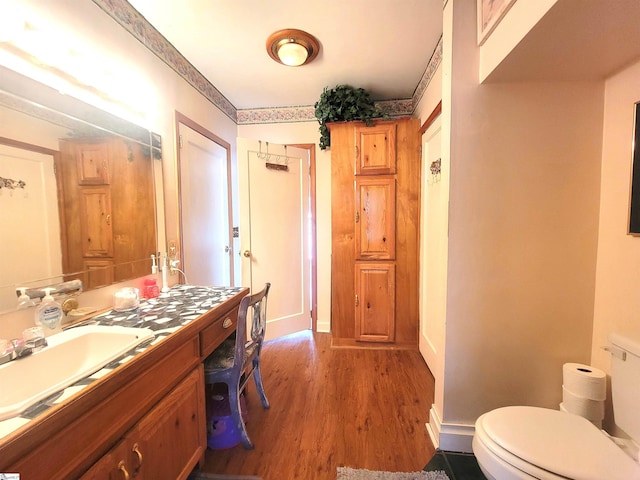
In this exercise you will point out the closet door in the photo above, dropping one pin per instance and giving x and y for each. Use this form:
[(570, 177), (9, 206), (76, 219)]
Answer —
[(375, 232)]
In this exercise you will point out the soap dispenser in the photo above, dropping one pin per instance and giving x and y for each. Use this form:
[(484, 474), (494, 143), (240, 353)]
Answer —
[(24, 300), (49, 312)]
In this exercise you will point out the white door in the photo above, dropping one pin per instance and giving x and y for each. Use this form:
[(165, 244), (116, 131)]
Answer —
[(204, 209), (433, 250), (274, 231)]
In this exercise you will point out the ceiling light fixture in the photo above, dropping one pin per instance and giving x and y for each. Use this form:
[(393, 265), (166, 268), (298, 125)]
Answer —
[(292, 47)]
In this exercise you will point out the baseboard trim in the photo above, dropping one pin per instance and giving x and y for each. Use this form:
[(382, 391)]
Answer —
[(452, 437)]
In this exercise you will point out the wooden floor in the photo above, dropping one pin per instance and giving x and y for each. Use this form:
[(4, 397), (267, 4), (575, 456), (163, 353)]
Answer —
[(333, 407)]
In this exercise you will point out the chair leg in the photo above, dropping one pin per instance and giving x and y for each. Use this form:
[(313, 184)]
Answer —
[(257, 376), (236, 413)]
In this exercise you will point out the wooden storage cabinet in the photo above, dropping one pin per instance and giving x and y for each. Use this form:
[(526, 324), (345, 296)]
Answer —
[(375, 195), (169, 437)]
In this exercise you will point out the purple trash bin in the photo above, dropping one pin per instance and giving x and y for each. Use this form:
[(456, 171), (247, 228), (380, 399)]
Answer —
[(221, 429)]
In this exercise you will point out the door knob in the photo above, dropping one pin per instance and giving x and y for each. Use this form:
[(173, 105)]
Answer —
[(247, 254)]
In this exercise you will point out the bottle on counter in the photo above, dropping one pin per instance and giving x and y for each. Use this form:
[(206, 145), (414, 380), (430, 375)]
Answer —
[(49, 312)]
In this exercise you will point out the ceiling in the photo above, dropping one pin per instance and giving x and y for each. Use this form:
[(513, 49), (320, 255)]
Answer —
[(383, 46)]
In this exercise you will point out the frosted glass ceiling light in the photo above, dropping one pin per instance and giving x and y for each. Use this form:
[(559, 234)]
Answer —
[(292, 47)]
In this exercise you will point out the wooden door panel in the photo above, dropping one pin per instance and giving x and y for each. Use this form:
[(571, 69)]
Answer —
[(95, 212), (375, 218), (376, 149), (375, 302), (93, 163)]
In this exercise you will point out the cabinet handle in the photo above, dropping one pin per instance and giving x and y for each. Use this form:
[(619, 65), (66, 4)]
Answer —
[(227, 323), (123, 470), (357, 152), (138, 454)]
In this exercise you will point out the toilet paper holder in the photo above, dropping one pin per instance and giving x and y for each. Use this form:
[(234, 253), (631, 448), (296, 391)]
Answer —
[(616, 352)]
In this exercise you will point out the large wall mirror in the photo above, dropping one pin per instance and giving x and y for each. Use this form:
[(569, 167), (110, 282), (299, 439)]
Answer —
[(81, 194)]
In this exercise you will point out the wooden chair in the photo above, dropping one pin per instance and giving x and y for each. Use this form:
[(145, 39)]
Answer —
[(237, 359)]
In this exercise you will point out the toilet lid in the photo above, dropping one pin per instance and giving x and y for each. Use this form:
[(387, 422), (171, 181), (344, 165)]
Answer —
[(558, 442)]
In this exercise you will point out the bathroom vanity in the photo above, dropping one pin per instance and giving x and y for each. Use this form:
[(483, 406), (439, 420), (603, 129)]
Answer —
[(141, 416)]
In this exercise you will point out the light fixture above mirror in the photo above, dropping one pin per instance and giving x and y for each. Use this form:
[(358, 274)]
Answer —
[(292, 47)]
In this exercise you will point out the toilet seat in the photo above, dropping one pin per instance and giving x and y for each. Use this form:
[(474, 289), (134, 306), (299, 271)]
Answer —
[(550, 444)]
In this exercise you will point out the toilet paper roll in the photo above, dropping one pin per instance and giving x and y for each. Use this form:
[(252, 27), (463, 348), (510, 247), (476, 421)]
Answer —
[(597, 423), (585, 381), (592, 410)]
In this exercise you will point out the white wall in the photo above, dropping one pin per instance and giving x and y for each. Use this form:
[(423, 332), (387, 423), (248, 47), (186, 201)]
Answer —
[(523, 225), (617, 297)]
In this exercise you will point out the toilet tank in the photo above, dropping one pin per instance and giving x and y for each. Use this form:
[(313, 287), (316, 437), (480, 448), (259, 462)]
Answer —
[(625, 384)]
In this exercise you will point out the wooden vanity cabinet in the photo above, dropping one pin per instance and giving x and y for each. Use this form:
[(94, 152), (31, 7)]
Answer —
[(166, 443), (147, 417)]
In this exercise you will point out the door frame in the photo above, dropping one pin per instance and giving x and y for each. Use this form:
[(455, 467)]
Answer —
[(311, 148), (188, 122)]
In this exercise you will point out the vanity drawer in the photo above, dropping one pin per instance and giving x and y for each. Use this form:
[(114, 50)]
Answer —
[(212, 336)]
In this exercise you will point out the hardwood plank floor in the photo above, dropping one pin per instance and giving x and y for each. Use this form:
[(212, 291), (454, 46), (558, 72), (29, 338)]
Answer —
[(333, 407)]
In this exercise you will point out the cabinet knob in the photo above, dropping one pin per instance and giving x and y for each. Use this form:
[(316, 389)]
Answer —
[(227, 323), (247, 253), (123, 470)]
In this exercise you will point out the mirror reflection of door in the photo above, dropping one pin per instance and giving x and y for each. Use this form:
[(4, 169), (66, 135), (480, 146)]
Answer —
[(29, 231), (205, 202)]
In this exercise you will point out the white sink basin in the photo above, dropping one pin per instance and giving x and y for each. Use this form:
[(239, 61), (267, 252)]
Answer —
[(70, 356)]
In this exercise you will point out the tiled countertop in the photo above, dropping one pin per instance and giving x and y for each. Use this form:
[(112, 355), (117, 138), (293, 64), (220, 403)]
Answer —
[(164, 315)]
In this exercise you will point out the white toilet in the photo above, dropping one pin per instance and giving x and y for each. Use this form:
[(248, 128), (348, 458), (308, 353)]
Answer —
[(540, 443)]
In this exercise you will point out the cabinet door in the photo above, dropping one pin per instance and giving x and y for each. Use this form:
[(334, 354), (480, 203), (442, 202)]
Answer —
[(172, 439), (95, 222), (167, 443), (376, 149), (98, 273), (93, 163), (375, 218), (375, 302)]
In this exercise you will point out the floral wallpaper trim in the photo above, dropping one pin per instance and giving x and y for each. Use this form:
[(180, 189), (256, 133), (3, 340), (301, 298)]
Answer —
[(132, 21)]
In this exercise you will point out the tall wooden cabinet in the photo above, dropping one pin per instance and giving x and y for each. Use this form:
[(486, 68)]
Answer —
[(375, 172), (107, 209)]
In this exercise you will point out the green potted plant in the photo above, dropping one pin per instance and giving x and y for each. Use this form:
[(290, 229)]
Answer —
[(344, 103)]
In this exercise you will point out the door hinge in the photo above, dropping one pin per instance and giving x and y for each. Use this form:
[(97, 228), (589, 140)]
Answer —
[(180, 141), (357, 217), (357, 301)]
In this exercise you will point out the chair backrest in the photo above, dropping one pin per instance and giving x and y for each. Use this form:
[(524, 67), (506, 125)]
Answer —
[(253, 307)]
